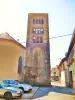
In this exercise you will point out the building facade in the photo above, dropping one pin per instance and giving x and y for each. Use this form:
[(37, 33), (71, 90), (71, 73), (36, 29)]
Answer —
[(64, 73), (12, 58), (71, 61), (38, 50), (55, 74)]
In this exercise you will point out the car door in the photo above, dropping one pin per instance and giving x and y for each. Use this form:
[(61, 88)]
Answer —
[(13, 84), (2, 91)]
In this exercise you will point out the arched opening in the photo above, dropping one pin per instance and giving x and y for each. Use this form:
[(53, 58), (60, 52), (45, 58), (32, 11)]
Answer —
[(38, 64), (20, 65)]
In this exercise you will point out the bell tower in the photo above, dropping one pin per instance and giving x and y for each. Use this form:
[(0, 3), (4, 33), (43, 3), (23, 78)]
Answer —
[(38, 49)]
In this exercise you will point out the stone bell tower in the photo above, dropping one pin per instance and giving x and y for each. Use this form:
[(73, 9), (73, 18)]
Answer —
[(38, 49)]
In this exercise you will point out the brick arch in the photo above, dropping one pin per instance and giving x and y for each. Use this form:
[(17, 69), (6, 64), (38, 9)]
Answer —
[(38, 57)]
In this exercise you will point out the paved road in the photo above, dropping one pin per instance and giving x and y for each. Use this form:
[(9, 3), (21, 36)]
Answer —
[(31, 94), (43, 91), (28, 95)]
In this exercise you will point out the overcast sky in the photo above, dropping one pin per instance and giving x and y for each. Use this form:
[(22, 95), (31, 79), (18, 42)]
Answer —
[(14, 14)]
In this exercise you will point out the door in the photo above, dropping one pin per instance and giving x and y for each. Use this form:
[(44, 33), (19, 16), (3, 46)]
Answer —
[(71, 79)]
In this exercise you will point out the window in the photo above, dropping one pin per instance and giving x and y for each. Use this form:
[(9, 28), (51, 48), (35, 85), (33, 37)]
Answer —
[(42, 21), (37, 31), (37, 39), (33, 21), (54, 72), (20, 65), (34, 39), (33, 31), (42, 30), (41, 40), (38, 21), (0, 86)]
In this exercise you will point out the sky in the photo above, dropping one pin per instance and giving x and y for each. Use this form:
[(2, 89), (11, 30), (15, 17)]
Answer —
[(61, 14)]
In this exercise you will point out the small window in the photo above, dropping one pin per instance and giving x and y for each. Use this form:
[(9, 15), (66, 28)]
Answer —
[(42, 21), (41, 40), (33, 31), (20, 65), (36, 21), (42, 30), (33, 21), (34, 39), (39, 21), (37, 39), (54, 72)]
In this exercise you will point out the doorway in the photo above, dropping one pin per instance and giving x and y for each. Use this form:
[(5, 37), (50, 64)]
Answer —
[(71, 79)]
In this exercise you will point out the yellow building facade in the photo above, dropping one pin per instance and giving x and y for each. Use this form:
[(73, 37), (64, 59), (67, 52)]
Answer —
[(10, 52)]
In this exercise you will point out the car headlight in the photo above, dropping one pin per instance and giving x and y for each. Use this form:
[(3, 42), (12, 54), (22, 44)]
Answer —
[(18, 92)]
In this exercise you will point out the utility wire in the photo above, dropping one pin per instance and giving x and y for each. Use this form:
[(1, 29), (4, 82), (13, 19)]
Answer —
[(60, 36), (55, 37)]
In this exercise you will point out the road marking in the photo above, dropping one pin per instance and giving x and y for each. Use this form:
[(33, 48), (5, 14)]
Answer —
[(30, 94), (34, 94)]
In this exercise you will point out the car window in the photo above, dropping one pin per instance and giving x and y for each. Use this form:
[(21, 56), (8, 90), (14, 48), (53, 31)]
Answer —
[(4, 84), (0, 86), (5, 81), (13, 82)]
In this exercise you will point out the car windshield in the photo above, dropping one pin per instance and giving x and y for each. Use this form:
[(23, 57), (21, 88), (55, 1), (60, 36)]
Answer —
[(13, 82), (4, 84)]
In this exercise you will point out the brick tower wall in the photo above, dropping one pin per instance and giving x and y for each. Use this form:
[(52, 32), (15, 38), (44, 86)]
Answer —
[(38, 50)]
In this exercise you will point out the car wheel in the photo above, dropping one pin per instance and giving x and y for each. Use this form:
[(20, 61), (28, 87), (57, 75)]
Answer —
[(21, 88), (8, 95)]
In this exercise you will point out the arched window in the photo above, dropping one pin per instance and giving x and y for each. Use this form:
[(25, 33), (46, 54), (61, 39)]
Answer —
[(37, 39), (34, 39), (41, 40), (37, 21), (42, 30), (42, 21), (20, 65), (33, 21)]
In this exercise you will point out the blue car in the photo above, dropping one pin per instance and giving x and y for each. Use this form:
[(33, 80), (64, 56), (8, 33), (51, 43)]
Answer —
[(9, 92), (25, 87)]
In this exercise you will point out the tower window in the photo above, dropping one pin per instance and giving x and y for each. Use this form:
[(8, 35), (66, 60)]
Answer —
[(42, 21), (37, 39), (33, 21), (37, 31), (34, 39), (41, 40), (37, 21), (33, 31), (42, 30)]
